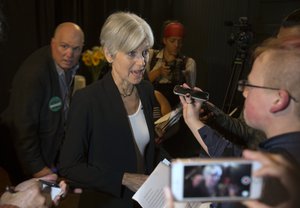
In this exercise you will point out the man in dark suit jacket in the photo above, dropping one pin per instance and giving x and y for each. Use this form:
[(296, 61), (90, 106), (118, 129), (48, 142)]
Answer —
[(40, 99)]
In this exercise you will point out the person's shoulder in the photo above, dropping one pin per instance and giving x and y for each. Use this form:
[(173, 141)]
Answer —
[(186, 57), (146, 87), (35, 67), (89, 90), (86, 95), (146, 84), (40, 52), (40, 57), (99, 88), (153, 52), (191, 60)]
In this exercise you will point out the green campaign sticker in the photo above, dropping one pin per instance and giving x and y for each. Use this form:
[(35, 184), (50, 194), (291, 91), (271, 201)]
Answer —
[(55, 104)]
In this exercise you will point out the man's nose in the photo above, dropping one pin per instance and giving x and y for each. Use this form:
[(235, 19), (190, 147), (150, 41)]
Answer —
[(69, 52)]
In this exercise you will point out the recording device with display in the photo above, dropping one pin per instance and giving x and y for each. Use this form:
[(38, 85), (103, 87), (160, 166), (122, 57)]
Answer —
[(52, 187), (195, 94), (229, 179), (198, 95)]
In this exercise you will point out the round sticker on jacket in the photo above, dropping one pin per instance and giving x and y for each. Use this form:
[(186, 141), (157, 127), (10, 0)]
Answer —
[(55, 104)]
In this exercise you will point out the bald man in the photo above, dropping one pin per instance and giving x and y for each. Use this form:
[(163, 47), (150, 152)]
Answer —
[(39, 100)]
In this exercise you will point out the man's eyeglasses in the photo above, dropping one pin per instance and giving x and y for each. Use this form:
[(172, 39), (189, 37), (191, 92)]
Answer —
[(242, 84)]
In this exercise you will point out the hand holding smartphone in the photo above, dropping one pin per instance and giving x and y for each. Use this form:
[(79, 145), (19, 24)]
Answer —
[(53, 187), (195, 94), (229, 179)]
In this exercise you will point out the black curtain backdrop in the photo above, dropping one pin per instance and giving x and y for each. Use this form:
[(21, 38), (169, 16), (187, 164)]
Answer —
[(31, 24)]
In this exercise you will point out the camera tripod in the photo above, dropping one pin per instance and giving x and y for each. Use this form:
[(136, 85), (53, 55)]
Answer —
[(233, 101), (242, 38)]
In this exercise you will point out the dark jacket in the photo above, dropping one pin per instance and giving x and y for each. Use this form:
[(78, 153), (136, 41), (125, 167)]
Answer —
[(287, 144), (37, 130), (99, 145), (236, 129)]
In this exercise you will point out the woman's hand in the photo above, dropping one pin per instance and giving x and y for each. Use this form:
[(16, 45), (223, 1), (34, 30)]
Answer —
[(133, 181)]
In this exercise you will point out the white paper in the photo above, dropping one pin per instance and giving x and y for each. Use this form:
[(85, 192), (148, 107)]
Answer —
[(163, 118), (151, 195), (168, 116)]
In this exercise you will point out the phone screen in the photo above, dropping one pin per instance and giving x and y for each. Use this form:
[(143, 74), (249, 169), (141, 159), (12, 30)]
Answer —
[(51, 187), (217, 180)]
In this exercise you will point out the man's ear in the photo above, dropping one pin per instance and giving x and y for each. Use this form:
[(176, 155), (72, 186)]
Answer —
[(282, 101), (108, 55)]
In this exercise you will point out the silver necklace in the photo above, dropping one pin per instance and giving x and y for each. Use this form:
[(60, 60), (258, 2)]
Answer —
[(127, 94)]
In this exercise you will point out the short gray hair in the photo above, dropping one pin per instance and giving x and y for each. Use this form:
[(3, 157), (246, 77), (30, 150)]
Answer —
[(212, 170), (124, 31)]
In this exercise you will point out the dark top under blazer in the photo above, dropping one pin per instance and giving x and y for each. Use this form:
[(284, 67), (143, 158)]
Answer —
[(38, 131), (99, 145)]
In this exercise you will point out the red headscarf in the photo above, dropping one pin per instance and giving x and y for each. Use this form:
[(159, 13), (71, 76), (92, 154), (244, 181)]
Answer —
[(174, 29)]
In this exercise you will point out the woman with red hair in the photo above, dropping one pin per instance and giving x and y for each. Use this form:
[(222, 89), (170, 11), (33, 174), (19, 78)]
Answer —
[(168, 67)]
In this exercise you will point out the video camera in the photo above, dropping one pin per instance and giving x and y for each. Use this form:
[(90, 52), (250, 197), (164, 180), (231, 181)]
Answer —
[(241, 34)]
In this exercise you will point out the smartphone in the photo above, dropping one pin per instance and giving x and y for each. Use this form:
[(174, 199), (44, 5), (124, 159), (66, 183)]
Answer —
[(228, 179), (52, 187), (195, 94)]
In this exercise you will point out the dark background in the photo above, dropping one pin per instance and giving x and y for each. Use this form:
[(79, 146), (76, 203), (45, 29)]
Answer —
[(31, 24)]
